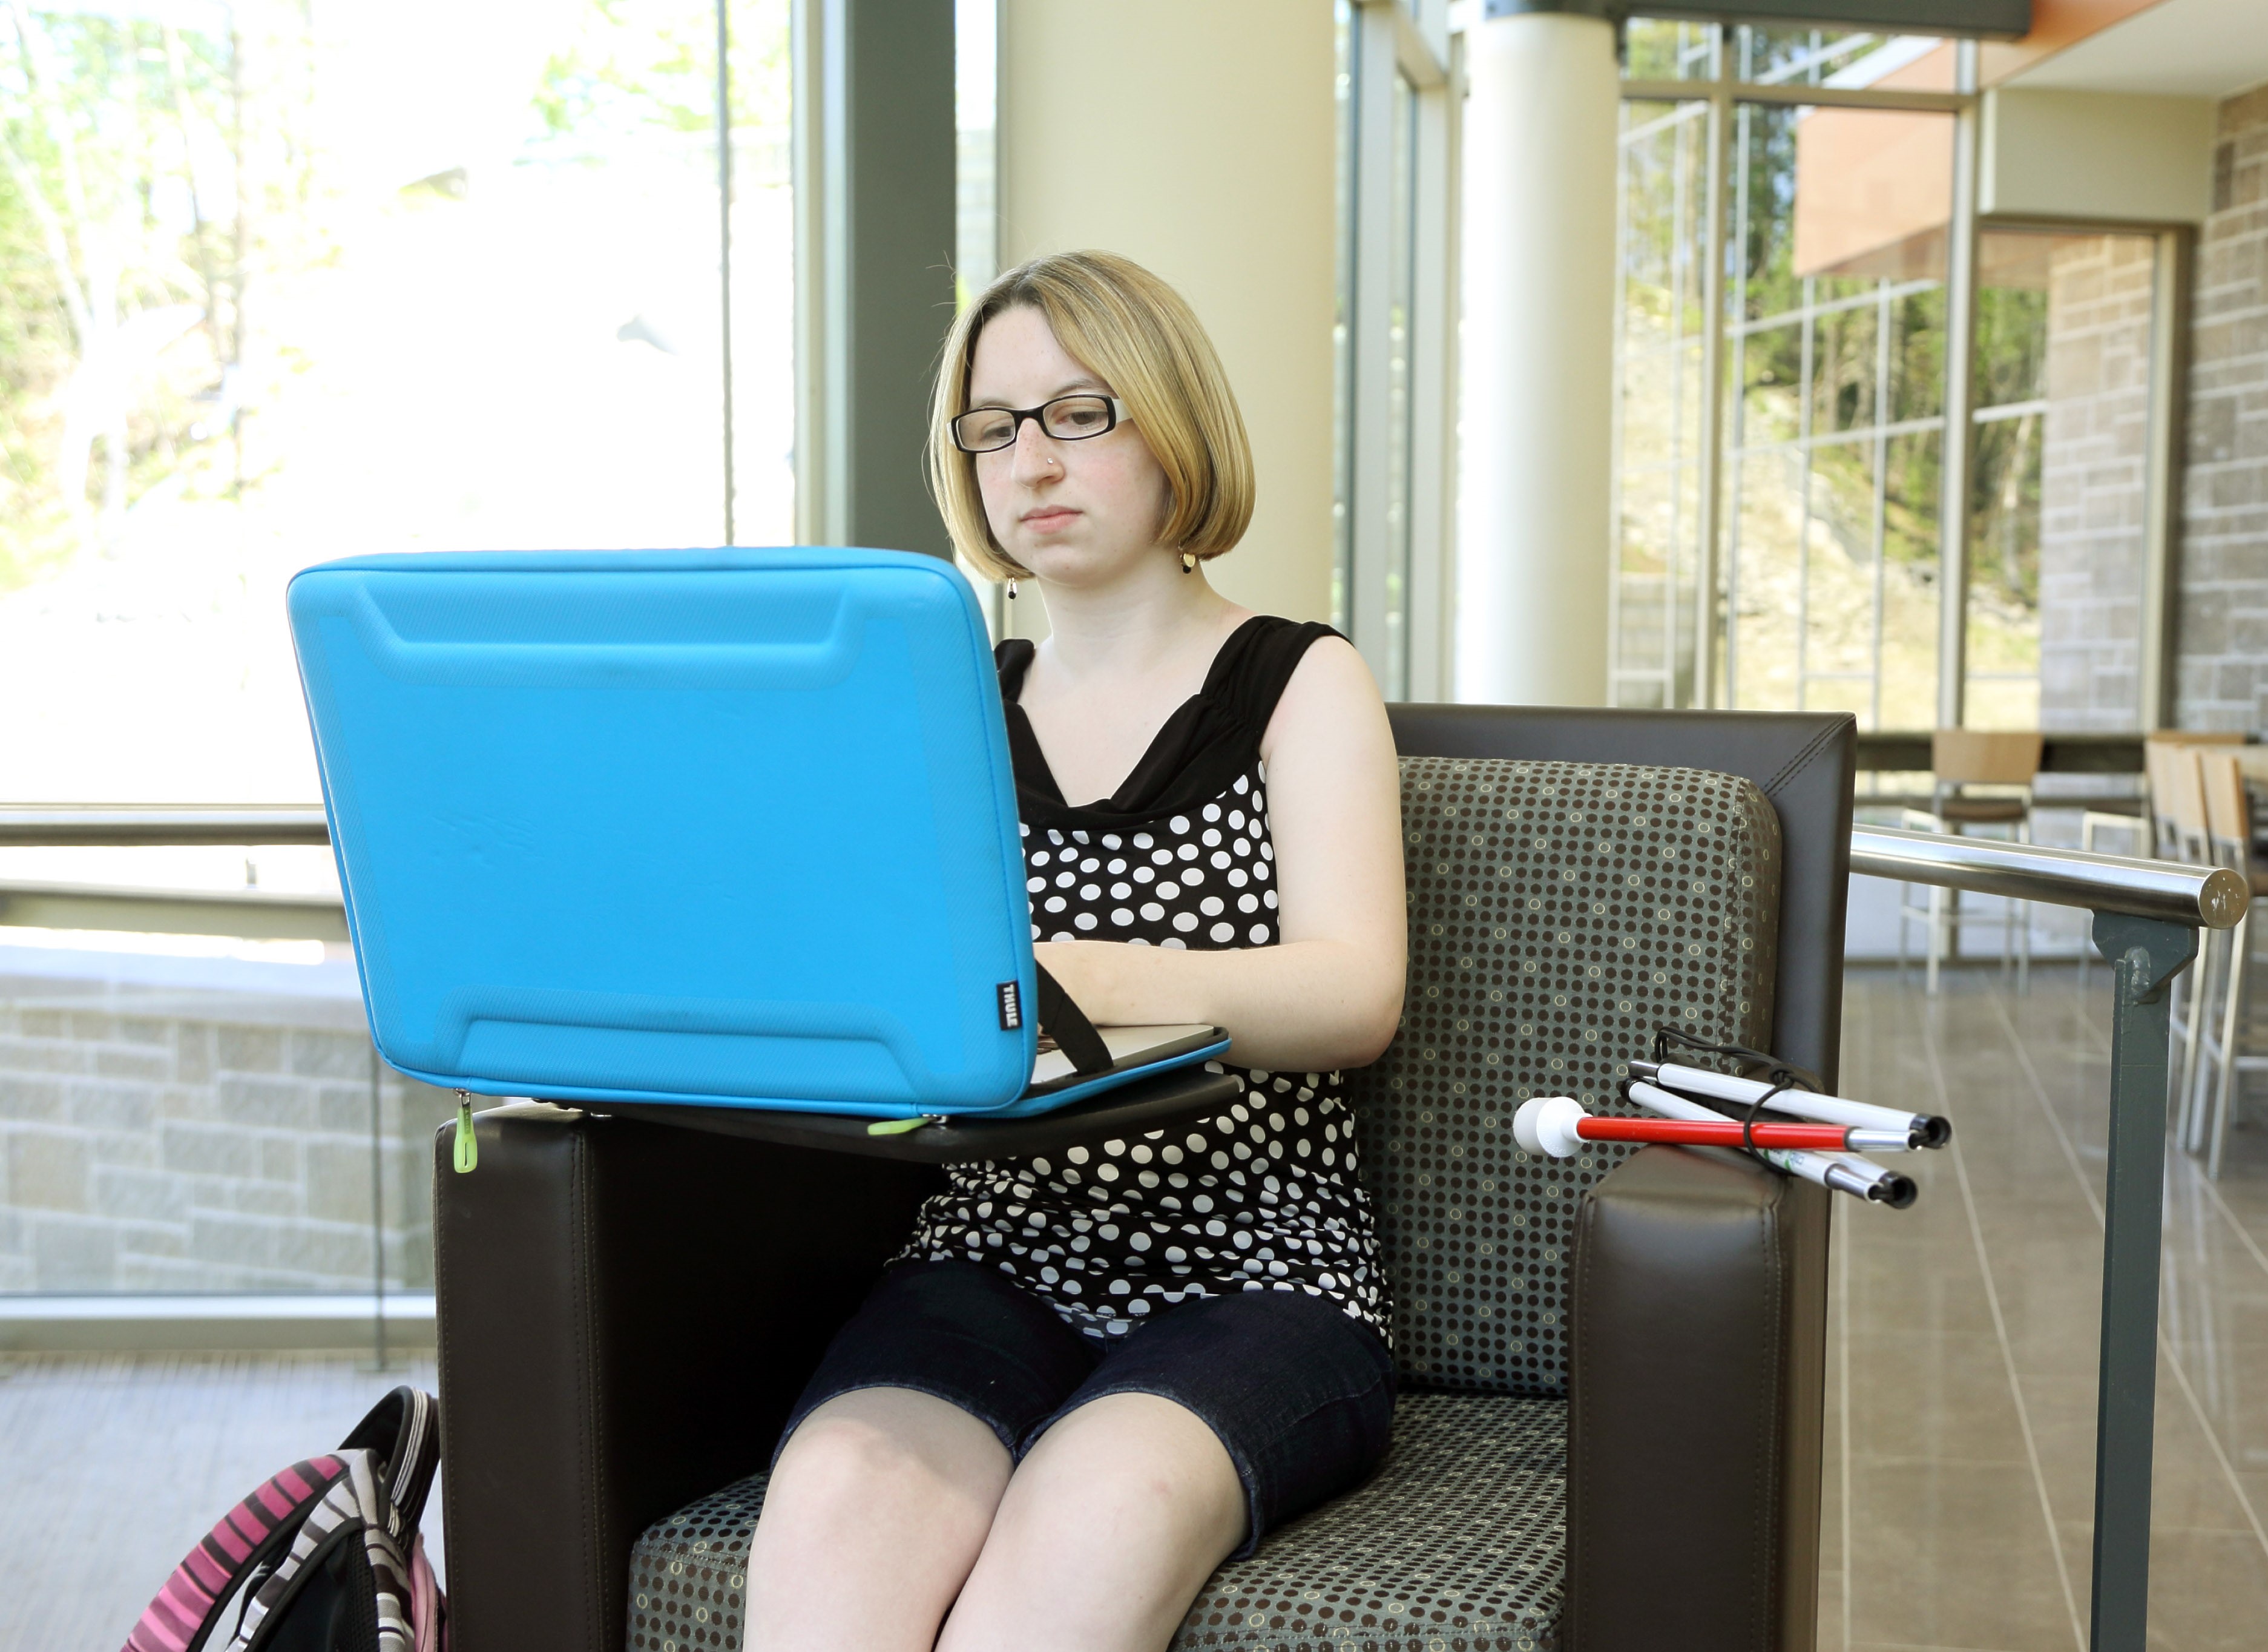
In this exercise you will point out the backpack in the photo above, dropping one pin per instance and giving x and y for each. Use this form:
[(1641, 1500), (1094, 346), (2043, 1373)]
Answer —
[(324, 1556)]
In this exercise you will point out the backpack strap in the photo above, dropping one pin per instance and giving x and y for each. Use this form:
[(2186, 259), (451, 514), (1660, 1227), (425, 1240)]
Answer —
[(403, 1434), (183, 1615), (353, 1509)]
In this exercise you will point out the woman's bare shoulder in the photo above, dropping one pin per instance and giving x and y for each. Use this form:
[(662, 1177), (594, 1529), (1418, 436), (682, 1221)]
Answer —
[(1331, 701)]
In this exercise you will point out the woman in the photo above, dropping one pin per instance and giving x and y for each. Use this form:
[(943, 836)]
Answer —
[(1086, 1383)]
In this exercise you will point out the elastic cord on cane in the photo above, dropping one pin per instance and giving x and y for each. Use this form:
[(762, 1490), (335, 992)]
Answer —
[(1781, 1075)]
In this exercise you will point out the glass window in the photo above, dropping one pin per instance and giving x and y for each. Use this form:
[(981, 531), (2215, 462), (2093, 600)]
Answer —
[(1837, 231), (1833, 344), (1657, 48), (1797, 56), (1401, 293), (975, 52), (1658, 410), (1379, 472), (290, 285), (1662, 48), (1827, 556), (1344, 47), (285, 284)]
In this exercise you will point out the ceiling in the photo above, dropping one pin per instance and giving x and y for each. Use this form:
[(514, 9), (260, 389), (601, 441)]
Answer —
[(2194, 48)]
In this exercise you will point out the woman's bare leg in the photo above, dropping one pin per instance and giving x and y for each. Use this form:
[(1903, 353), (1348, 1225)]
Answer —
[(1110, 1526), (877, 1509)]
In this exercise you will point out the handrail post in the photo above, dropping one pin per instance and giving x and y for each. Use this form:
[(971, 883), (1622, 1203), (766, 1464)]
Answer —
[(2145, 954)]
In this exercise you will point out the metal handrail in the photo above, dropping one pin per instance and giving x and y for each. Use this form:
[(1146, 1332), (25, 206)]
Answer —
[(59, 825), (2208, 897), (2146, 916), (2197, 897)]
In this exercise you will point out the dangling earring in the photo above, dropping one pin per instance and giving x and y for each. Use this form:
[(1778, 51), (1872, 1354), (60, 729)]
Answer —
[(1012, 589), (1188, 562)]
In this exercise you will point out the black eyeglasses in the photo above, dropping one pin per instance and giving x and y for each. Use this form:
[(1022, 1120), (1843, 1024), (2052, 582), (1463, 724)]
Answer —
[(1068, 418)]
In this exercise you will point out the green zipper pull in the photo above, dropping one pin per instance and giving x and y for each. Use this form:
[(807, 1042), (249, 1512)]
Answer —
[(896, 1126), (468, 1149)]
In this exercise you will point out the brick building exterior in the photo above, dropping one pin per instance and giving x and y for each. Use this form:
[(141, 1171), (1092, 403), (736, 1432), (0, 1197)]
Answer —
[(183, 1141), (2222, 641), (2094, 481)]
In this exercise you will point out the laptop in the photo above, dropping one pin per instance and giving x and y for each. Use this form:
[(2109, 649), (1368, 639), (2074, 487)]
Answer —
[(726, 828)]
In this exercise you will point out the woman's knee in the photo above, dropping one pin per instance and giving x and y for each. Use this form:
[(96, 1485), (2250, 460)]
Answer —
[(1138, 1459), (872, 1448)]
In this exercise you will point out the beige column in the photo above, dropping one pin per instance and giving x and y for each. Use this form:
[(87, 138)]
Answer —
[(1533, 547), (1199, 139)]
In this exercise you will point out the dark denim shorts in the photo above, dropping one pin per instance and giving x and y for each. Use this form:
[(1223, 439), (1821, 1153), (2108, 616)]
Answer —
[(1301, 1395)]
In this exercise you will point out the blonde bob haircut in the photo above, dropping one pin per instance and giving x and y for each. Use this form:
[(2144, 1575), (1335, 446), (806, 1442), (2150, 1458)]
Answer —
[(1141, 338)]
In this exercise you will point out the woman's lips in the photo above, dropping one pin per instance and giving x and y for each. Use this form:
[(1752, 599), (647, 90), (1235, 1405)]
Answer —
[(1048, 520)]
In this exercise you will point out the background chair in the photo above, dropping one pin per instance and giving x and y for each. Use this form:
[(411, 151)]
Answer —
[(1961, 759), (628, 1308), (2151, 834), (2184, 834), (2216, 1086), (2165, 747)]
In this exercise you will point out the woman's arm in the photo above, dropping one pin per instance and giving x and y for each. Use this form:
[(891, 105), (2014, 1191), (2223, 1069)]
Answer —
[(1329, 995)]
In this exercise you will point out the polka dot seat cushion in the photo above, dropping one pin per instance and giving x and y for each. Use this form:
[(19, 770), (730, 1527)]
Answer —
[(1558, 912), (689, 1573), (1457, 1542)]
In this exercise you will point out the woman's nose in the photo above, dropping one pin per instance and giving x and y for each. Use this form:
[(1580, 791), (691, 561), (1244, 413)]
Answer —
[(1035, 459)]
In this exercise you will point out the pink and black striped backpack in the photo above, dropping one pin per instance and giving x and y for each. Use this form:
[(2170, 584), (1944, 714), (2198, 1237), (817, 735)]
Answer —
[(323, 1557)]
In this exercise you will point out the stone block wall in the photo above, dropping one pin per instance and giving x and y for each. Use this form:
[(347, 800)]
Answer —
[(2222, 637), (204, 1141), (2094, 481)]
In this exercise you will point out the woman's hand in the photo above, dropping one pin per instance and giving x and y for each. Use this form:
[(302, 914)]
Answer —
[(1329, 994)]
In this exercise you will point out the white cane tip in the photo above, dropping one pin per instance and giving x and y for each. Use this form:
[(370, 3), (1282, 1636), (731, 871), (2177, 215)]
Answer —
[(1555, 1122), (1523, 1126)]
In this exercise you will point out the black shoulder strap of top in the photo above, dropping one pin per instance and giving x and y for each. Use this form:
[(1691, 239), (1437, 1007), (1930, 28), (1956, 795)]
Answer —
[(1011, 657), (1271, 652), (1068, 1025)]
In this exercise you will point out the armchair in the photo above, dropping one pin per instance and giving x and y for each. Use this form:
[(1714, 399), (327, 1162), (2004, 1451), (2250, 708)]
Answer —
[(1615, 1356)]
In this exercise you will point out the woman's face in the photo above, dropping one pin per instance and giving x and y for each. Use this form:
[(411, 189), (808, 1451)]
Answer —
[(1077, 513)]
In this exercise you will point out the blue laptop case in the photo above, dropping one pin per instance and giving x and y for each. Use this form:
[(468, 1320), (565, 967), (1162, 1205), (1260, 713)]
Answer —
[(733, 828)]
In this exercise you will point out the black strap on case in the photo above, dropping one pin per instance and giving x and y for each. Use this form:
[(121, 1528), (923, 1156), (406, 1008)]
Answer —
[(1067, 1024)]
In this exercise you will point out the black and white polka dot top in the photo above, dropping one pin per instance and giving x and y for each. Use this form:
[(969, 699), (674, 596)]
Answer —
[(1262, 1196)]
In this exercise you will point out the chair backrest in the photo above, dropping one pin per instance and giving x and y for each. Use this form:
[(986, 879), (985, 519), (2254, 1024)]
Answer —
[(2176, 792), (1559, 912), (2228, 813), (2163, 834), (1804, 764), (1976, 756)]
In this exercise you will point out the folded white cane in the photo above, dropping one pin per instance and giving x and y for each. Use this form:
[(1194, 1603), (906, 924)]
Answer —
[(1842, 1172), (1927, 1130)]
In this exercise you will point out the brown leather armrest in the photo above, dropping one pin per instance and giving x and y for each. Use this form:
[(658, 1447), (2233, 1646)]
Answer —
[(627, 1310), (1696, 1379)]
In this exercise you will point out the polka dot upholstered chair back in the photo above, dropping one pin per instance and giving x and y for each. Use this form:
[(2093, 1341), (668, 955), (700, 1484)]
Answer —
[(1558, 914)]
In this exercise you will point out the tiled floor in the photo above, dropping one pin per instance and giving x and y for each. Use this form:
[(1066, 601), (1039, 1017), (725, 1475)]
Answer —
[(1961, 1385)]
